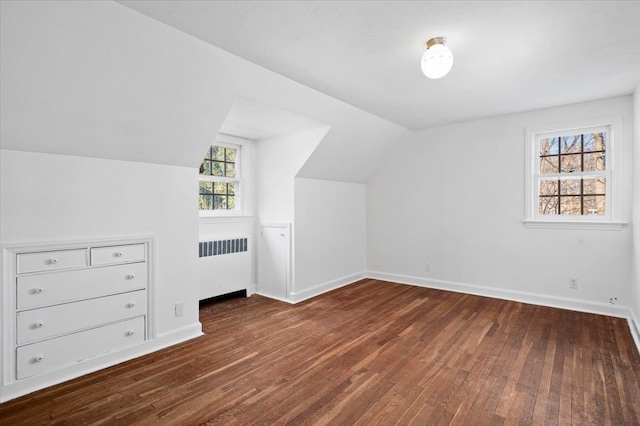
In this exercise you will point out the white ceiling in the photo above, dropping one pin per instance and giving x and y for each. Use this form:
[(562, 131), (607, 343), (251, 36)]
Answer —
[(509, 56), (252, 120)]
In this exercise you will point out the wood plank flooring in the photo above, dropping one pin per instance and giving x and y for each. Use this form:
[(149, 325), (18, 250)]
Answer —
[(369, 353)]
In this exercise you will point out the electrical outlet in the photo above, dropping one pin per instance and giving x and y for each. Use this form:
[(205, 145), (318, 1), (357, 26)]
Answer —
[(427, 267), (573, 283), (613, 300), (179, 309)]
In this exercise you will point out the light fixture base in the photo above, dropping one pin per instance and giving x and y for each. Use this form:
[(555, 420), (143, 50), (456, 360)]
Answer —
[(436, 40)]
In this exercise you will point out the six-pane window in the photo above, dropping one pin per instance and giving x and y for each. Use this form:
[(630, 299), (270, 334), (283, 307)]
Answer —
[(572, 173), (219, 180)]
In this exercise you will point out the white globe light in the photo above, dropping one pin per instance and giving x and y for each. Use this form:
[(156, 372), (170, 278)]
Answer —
[(437, 60)]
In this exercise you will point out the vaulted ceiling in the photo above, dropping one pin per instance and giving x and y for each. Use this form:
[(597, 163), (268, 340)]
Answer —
[(509, 56)]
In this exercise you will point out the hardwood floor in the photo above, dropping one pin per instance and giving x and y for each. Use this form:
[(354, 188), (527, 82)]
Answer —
[(369, 353)]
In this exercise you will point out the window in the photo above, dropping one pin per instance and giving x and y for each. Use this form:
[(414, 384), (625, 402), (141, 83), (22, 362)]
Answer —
[(219, 183), (570, 174)]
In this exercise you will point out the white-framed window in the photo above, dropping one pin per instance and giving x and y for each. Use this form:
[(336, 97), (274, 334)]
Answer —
[(220, 181), (570, 174)]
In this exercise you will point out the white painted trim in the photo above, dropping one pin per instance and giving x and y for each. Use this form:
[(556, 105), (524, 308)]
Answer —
[(91, 365), (634, 328), (565, 224), (152, 311), (499, 293), (297, 297), (276, 224), (72, 243), (252, 289), (287, 229), (268, 296), (225, 219), (615, 175)]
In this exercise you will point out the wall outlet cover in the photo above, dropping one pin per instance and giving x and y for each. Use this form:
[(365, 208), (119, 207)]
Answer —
[(179, 309)]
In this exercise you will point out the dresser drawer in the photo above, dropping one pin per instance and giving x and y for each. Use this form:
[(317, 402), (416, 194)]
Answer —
[(50, 355), (44, 323), (34, 291), (50, 260), (117, 254)]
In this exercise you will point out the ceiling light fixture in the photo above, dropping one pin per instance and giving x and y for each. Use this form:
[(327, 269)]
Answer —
[(438, 59)]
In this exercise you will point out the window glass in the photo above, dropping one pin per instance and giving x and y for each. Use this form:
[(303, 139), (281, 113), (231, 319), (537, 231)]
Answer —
[(572, 174), (219, 180)]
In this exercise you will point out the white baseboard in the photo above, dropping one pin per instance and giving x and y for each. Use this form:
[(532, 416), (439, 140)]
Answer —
[(174, 337), (299, 296), (634, 327), (499, 293), (23, 387), (252, 289), (269, 296)]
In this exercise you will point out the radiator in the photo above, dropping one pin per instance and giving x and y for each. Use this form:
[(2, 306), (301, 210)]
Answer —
[(225, 266), (220, 247)]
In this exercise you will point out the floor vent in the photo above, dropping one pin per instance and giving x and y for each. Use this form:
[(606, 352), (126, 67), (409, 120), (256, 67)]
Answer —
[(216, 248)]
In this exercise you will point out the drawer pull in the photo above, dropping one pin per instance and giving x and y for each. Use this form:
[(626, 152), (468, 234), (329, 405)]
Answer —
[(38, 290), (118, 254), (39, 324), (130, 305), (131, 276), (38, 358), (53, 261), (130, 332)]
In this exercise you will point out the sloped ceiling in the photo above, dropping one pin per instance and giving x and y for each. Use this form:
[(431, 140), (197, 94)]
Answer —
[(253, 120), (509, 56), (97, 79)]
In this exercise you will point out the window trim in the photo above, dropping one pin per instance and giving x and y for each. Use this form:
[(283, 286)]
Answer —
[(238, 210), (611, 220)]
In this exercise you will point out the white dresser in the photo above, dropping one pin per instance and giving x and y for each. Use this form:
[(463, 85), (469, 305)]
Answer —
[(68, 303)]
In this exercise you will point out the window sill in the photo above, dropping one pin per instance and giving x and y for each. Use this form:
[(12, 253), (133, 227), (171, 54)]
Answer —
[(226, 219), (565, 224)]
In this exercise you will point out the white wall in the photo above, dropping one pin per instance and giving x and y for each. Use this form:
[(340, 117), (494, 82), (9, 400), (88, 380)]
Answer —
[(278, 161), (46, 198), (454, 199), (330, 235)]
